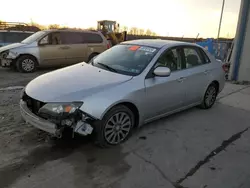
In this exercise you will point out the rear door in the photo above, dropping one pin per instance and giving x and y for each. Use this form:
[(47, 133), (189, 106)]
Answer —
[(95, 43), (77, 48), (52, 51), (198, 71)]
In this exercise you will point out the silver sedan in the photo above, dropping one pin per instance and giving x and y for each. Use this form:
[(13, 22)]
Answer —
[(126, 86)]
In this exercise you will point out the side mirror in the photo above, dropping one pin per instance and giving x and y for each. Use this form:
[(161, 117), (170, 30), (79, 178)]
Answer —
[(162, 71)]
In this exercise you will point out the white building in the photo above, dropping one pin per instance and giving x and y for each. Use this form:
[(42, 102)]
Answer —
[(240, 62)]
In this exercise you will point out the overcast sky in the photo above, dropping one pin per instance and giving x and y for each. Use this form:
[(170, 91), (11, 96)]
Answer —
[(165, 17)]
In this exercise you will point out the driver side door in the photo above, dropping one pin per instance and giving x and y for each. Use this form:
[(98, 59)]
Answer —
[(165, 94)]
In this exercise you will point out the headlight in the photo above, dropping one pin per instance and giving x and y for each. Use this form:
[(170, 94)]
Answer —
[(4, 54), (60, 109)]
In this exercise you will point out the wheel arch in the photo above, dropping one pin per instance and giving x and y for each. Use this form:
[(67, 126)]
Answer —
[(130, 105), (217, 85), (26, 54)]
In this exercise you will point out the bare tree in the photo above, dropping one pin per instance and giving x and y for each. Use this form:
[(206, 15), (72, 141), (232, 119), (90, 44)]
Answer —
[(154, 34), (148, 32), (124, 28), (134, 31), (141, 32), (54, 26), (91, 28)]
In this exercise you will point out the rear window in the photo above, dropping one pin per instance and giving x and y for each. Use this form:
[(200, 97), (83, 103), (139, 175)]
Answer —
[(13, 37), (204, 56), (1, 37), (71, 37), (92, 38), (126, 59)]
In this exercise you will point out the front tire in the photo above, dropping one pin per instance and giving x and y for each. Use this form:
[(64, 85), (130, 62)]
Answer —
[(210, 96), (115, 127), (26, 64)]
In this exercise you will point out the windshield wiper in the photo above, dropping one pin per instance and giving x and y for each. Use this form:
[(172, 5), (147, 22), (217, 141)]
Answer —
[(107, 67)]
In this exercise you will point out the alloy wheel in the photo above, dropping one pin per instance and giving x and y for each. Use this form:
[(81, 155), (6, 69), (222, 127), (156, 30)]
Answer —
[(210, 96), (28, 65), (117, 128)]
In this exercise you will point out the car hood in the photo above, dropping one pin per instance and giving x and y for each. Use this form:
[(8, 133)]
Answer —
[(11, 46), (73, 83)]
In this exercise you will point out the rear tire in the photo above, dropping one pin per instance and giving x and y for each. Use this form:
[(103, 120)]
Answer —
[(26, 64), (210, 96), (115, 127)]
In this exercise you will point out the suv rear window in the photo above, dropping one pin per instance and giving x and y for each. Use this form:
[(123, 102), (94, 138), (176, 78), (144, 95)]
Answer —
[(1, 37), (71, 37), (77, 37), (125, 59), (92, 38), (13, 37)]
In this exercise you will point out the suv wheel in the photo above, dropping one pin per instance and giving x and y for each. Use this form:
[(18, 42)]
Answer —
[(26, 64), (115, 127)]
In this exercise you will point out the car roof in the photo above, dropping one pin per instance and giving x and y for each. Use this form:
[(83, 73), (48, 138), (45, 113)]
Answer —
[(71, 30), (15, 31), (157, 43)]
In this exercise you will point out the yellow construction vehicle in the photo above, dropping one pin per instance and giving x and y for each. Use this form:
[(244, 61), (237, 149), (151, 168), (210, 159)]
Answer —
[(110, 30)]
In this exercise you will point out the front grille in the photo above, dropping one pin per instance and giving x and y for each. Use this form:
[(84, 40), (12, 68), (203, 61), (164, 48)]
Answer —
[(33, 104)]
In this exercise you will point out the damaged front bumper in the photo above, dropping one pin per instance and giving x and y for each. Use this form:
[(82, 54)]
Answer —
[(6, 62), (7, 58), (82, 128)]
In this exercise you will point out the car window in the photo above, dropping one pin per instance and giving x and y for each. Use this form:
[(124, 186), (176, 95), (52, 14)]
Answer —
[(56, 38), (33, 37), (125, 59), (204, 56), (45, 40), (92, 38), (171, 59), (1, 38), (192, 57), (71, 38), (13, 37)]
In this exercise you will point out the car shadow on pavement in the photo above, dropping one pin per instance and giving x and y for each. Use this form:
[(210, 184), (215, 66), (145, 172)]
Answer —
[(45, 149), (79, 151)]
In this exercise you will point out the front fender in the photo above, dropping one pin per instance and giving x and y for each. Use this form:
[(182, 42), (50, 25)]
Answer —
[(31, 49), (132, 91), (98, 107)]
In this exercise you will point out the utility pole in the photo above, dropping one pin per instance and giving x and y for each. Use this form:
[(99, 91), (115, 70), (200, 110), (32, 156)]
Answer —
[(221, 15)]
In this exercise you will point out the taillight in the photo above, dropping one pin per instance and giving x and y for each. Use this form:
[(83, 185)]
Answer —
[(108, 46), (225, 67)]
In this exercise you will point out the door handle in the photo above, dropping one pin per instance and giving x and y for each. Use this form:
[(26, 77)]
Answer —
[(64, 47), (206, 71), (181, 79)]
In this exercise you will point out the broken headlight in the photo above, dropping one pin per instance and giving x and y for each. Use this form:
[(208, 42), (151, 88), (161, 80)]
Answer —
[(60, 110), (4, 54)]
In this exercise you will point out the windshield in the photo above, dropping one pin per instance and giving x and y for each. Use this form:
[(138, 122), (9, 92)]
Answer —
[(125, 59), (33, 37)]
